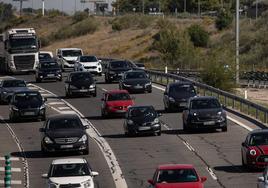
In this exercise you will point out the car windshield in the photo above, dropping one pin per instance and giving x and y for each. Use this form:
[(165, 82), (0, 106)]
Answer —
[(66, 170), (118, 96), (135, 75), (259, 139), (205, 104), (142, 112), (71, 53), (27, 98), (78, 77), (44, 56), (49, 65), (88, 59), (64, 123), (177, 176), (182, 89), (14, 83), (23, 43), (119, 64)]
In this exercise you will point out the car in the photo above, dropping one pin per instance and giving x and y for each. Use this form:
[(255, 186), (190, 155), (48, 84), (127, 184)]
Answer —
[(262, 180), (204, 112), (10, 85), (70, 172), (136, 81), (27, 105), (64, 132), (254, 151), (115, 70), (48, 70), (176, 176), (80, 83), (176, 95), (115, 102), (66, 57), (142, 119), (88, 63), (45, 56)]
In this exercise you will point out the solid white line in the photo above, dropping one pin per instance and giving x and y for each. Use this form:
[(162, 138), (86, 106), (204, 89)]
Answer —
[(64, 108), (157, 87), (188, 146), (68, 112), (103, 89), (54, 103), (11, 159), (13, 182), (2, 169), (212, 174)]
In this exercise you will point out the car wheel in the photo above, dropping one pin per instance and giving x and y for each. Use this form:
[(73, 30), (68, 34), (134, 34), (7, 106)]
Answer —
[(43, 118), (224, 129), (12, 119), (104, 113), (158, 133), (150, 91), (185, 127), (43, 150)]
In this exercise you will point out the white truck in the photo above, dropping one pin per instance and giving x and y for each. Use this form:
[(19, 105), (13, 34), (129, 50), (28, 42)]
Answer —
[(66, 57), (19, 50)]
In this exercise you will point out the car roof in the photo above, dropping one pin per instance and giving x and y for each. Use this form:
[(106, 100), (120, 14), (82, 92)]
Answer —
[(65, 116), (175, 166), (202, 97), (256, 131), (116, 91), (180, 83), (69, 161), (70, 49)]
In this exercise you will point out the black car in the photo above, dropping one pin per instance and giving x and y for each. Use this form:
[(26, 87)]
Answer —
[(64, 132), (136, 81), (142, 119), (115, 70), (27, 105), (80, 83), (48, 70), (177, 94), (204, 113), (8, 86)]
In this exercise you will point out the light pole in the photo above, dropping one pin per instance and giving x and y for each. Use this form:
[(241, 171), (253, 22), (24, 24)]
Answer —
[(256, 9), (142, 6), (184, 5), (237, 42), (199, 8), (43, 7)]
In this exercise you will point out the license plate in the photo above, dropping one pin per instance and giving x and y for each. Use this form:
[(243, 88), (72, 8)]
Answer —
[(83, 90), (209, 123), (50, 75), (144, 128), (28, 113), (66, 146), (183, 104), (138, 87)]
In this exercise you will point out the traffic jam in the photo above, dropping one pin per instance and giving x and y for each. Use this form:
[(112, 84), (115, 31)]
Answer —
[(124, 94)]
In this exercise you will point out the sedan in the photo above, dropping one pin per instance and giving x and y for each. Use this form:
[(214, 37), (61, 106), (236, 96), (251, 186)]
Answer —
[(204, 113), (176, 176), (254, 149), (136, 81), (48, 70), (142, 119), (64, 132), (70, 172)]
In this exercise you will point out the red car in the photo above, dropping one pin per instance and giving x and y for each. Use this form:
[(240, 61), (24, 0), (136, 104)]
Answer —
[(254, 149), (176, 176), (115, 102)]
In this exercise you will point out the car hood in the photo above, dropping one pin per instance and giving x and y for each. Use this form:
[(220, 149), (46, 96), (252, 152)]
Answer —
[(136, 81), (120, 103), (70, 58), (65, 133), (263, 149), (206, 112), (15, 89), (90, 63), (70, 180), (179, 185), (143, 119)]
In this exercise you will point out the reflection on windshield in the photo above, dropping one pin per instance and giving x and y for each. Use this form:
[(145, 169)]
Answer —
[(177, 176), (20, 43), (88, 59), (258, 139), (66, 170), (182, 89), (49, 65), (64, 124), (78, 77), (119, 64), (142, 112), (205, 104), (118, 96), (135, 75), (71, 53), (31, 98), (14, 83)]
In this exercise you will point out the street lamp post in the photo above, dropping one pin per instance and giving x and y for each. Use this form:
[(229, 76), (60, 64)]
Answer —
[(237, 42), (43, 7), (199, 8)]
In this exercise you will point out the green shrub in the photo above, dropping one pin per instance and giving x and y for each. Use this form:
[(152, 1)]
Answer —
[(79, 16), (224, 19), (45, 41), (198, 35)]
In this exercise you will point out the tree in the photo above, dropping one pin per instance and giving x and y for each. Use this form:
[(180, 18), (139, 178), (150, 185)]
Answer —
[(199, 36), (224, 19), (6, 12)]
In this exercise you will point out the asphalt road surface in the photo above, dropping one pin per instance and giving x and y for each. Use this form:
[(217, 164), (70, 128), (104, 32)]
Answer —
[(215, 154)]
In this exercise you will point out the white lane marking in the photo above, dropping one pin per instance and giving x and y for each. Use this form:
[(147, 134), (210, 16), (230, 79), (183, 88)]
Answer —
[(188, 146), (11, 159), (107, 151), (157, 87), (63, 108), (13, 182), (2, 169), (103, 89), (55, 103), (212, 174), (47, 95), (68, 112)]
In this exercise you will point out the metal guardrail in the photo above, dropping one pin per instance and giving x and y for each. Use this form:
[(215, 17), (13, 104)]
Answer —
[(229, 100)]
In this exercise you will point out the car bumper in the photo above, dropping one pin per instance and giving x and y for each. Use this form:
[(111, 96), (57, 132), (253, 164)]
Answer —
[(115, 77), (178, 104), (207, 125), (29, 114), (93, 71), (144, 129), (78, 146), (50, 77), (83, 91), (134, 89)]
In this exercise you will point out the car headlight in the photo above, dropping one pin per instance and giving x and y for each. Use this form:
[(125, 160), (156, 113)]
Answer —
[(126, 85), (87, 183), (156, 121), (148, 84), (130, 122), (52, 184), (219, 113), (171, 99), (15, 108), (92, 86), (83, 138), (47, 140), (252, 152), (194, 114), (42, 107)]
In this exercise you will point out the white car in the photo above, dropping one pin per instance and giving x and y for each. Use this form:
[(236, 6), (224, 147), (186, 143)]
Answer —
[(88, 63), (66, 57), (263, 180), (70, 172)]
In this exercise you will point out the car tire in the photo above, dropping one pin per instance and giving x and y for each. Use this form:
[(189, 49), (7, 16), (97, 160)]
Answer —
[(104, 113), (224, 129), (185, 127), (43, 118), (158, 133), (43, 150), (150, 91), (12, 119)]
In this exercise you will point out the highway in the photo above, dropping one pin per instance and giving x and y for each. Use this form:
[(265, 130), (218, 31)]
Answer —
[(215, 154)]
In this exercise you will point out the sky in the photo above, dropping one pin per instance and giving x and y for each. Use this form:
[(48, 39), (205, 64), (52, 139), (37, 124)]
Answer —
[(65, 5)]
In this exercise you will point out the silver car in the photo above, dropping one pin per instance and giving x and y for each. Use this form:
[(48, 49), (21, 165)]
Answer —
[(263, 180)]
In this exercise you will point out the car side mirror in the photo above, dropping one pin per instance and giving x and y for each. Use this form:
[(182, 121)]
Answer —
[(261, 179), (150, 181), (243, 144), (45, 176), (203, 179), (86, 126), (100, 61), (41, 130), (94, 173)]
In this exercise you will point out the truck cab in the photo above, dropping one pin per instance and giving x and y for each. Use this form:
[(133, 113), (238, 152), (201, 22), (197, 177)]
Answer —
[(66, 57)]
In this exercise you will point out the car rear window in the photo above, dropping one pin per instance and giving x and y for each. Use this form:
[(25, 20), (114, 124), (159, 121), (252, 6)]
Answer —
[(81, 77), (184, 88), (119, 64)]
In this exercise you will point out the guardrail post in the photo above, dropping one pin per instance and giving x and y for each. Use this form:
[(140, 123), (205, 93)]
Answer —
[(167, 80), (257, 114), (233, 105), (265, 117), (161, 79), (7, 178)]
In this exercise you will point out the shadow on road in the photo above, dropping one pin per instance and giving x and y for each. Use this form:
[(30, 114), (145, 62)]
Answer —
[(39, 154), (236, 169)]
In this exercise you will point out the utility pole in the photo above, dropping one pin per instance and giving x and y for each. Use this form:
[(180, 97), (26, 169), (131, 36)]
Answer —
[(142, 6), (199, 8), (43, 7), (21, 7), (184, 5), (257, 2), (237, 42)]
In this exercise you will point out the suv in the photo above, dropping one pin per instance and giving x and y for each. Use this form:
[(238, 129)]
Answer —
[(115, 70), (70, 172), (88, 63), (64, 132), (48, 70), (27, 105), (177, 94), (45, 56), (80, 83), (66, 57)]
